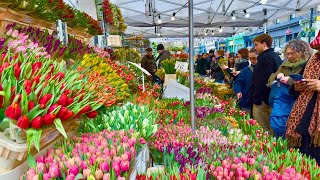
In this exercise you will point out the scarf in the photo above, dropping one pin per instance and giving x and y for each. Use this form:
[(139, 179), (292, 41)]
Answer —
[(312, 71), (239, 61), (294, 65)]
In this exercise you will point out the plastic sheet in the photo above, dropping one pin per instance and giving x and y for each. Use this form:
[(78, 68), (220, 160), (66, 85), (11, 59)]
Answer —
[(176, 90)]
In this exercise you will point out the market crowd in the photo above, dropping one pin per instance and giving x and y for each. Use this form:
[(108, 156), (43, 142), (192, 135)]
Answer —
[(280, 93)]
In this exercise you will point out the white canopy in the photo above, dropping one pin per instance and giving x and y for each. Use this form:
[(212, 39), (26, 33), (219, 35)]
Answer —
[(142, 16)]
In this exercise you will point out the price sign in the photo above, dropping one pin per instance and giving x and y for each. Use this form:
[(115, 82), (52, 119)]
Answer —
[(181, 66)]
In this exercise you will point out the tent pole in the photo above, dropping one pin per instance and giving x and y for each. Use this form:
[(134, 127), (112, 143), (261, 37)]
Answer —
[(310, 23), (265, 27), (191, 60)]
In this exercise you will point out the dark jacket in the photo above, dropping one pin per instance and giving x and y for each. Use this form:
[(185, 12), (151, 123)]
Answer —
[(241, 66), (163, 56), (149, 64), (216, 71), (201, 67), (268, 63), (242, 84)]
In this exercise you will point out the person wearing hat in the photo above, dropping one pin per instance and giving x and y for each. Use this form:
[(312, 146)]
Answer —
[(148, 62), (163, 54)]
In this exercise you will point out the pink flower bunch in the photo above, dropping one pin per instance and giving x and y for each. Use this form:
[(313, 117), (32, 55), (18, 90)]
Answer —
[(101, 52), (176, 135), (105, 155), (207, 136)]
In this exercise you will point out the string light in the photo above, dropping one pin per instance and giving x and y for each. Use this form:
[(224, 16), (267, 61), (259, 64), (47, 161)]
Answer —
[(233, 17), (264, 1), (220, 30), (173, 16), (212, 33), (247, 14), (159, 20), (206, 33)]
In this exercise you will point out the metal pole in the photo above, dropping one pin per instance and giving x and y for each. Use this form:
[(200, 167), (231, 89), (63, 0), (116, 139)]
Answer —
[(191, 49), (265, 27), (310, 24)]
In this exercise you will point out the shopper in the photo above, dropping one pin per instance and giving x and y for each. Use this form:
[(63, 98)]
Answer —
[(163, 54), (201, 67), (268, 63), (240, 63), (303, 123), (148, 62), (220, 56), (216, 71), (242, 84), (297, 52)]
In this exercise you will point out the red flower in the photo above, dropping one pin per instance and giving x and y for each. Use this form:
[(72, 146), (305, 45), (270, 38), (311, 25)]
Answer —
[(70, 101), (17, 71), (23, 122), (1, 97), (4, 66), (37, 123), (62, 112), (36, 67), (14, 111), (30, 105), (52, 107), (86, 109), (67, 115), (36, 80), (59, 75), (92, 114), (27, 86), (48, 119), (45, 99), (63, 100)]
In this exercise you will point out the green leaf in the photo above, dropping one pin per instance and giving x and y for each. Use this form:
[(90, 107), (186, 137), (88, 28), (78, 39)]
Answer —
[(2, 93), (24, 101), (60, 127), (37, 138), (32, 162), (30, 138), (34, 112)]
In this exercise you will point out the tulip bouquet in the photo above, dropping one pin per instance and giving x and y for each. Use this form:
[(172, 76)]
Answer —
[(168, 66), (128, 117), (101, 66), (105, 155), (36, 92)]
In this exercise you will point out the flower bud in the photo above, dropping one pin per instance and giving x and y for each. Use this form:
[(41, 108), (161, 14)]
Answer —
[(37, 122), (23, 122), (14, 111)]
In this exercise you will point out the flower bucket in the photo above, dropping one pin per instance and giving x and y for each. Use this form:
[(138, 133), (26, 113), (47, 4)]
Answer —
[(169, 76)]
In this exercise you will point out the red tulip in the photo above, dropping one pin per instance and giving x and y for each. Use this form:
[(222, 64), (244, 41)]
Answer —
[(37, 123), (42, 106), (86, 109), (23, 122), (36, 80), (3, 55), (52, 107), (14, 111), (27, 86), (62, 112), (36, 67), (70, 101), (48, 119), (67, 92), (92, 114), (30, 105), (67, 115), (59, 75), (4, 66), (63, 100), (17, 71), (48, 76), (45, 99)]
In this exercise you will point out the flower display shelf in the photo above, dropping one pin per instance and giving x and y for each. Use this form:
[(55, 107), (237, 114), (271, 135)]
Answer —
[(9, 16), (12, 154)]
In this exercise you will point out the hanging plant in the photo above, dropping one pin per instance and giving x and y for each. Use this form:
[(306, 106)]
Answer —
[(122, 26), (107, 9)]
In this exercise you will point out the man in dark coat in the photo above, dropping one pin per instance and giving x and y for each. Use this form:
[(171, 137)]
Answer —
[(268, 63), (163, 54), (148, 62), (202, 64)]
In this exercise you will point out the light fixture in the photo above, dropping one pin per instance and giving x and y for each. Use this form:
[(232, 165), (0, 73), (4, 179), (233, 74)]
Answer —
[(159, 20), (206, 33), (220, 30), (212, 33), (233, 16), (264, 1), (173, 16), (159, 34), (247, 14)]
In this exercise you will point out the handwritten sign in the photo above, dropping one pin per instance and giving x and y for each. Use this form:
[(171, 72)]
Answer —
[(181, 66)]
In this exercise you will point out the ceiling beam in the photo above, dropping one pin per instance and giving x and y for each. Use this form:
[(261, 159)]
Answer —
[(268, 4), (127, 2)]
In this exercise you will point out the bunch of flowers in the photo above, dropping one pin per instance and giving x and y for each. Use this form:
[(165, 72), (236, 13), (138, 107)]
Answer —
[(99, 65), (104, 155), (169, 65), (113, 15), (107, 9)]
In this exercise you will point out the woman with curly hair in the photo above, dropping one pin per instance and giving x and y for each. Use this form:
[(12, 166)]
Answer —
[(303, 126), (297, 52)]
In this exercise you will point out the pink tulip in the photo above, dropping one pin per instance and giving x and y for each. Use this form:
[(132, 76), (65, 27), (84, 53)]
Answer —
[(83, 165), (104, 167), (70, 177), (121, 178), (86, 173), (116, 168), (54, 171), (106, 176), (132, 142), (46, 176), (125, 165), (41, 159), (98, 174), (142, 141), (40, 167), (35, 177), (9, 32), (125, 139), (74, 170), (15, 34)]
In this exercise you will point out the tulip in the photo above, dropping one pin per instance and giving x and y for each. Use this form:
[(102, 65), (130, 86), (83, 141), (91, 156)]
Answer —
[(74, 170), (36, 79), (106, 176), (36, 67), (92, 114), (46, 98), (13, 111), (70, 101), (9, 32), (67, 115), (17, 71), (46, 176), (30, 105), (124, 166), (86, 173), (98, 174), (48, 119), (59, 75), (1, 97), (63, 100), (121, 178), (70, 177), (54, 171), (61, 112), (116, 168), (53, 107), (37, 122), (142, 141), (104, 166), (86, 109)]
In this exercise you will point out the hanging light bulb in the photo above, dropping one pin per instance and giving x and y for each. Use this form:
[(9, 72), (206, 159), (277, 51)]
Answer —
[(159, 20), (247, 14), (173, 16), (159, 34), (264, 1), (220, 30), (206, 33), (212, 33)]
